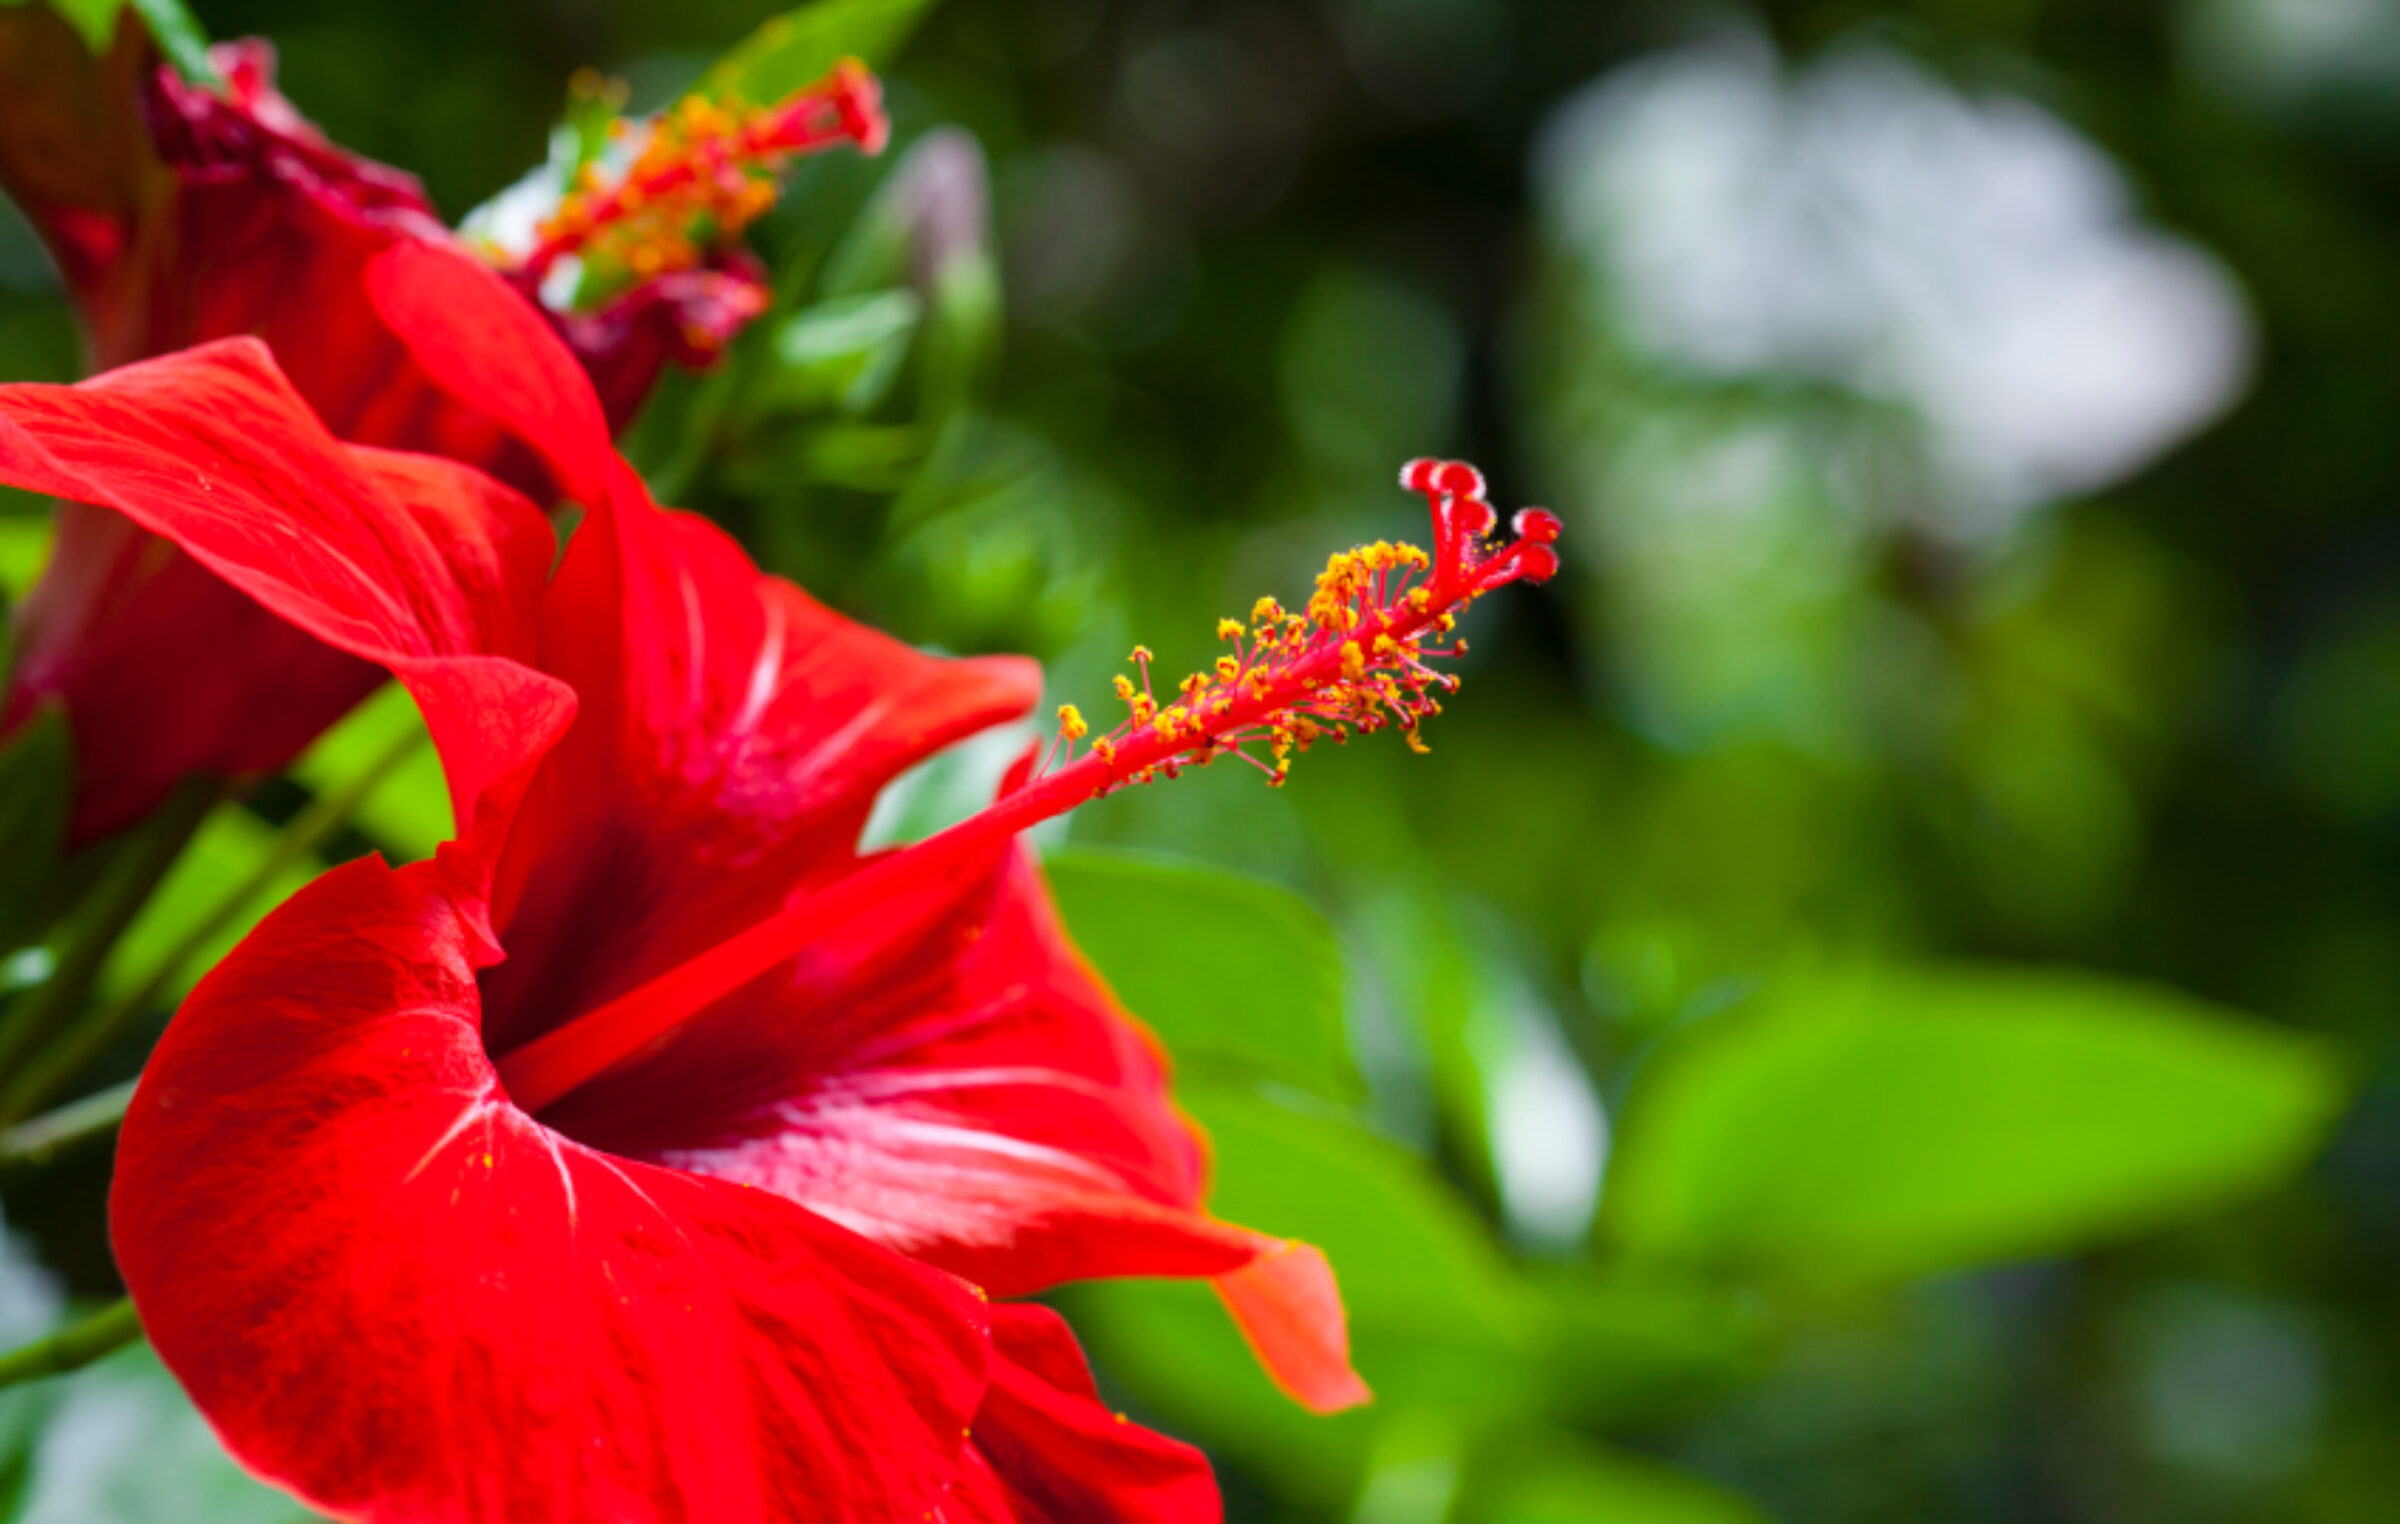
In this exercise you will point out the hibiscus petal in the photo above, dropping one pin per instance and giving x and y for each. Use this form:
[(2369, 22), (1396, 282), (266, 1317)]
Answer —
[(1290, 1312), (1058, 1456), (491, 351), (425, 568), (400, 1298)]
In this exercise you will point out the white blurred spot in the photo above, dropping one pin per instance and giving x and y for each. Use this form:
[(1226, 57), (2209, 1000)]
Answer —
[(1549, 1137), (1859, 222)]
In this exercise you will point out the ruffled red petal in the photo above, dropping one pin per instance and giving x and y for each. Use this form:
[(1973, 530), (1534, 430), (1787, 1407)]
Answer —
[(490, 353)]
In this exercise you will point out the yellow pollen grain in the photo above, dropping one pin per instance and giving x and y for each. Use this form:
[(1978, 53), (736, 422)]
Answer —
[(1229, 629), (1070, 722)]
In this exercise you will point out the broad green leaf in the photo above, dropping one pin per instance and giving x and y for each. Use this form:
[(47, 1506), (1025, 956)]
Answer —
[(1589, 1485), (867, 457), (37, 778), (1413, 1470), (227, 848), (1895, 1123), (1236, 975), (795, 49), (408, 814), (1623, 1344)]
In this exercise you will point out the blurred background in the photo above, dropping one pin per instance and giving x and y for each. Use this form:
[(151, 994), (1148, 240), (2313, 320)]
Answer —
[(1883, 1003)]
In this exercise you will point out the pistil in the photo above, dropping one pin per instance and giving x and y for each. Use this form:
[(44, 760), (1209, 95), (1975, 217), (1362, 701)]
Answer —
[(1354, 661), (706, 172)]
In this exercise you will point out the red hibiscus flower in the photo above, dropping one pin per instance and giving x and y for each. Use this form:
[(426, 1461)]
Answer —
[(616, 1163)]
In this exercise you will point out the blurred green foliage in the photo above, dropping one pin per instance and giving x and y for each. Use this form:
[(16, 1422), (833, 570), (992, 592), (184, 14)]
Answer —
[(1739, 1074)]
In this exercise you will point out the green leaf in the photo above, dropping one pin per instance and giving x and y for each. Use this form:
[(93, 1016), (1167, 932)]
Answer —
[(1589, 1485), (408, 814), (842, 353), (796, 49), (1890, 1124), (1236, 975), (868, 457), (37, 779), (24, 549), (179, 36), (224, 852), (1623, 1345)]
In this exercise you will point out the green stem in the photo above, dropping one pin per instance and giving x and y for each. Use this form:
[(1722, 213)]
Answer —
[(126, 884), (36, 1144), (75, 1050), (74, 1346)]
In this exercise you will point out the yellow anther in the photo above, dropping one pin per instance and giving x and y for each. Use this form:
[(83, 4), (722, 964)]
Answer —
[(1420, 599), (1124, 687), (1105, 749), (1416, 742), (1227, 667), (1265, 611), (1229, 629), (1140, 654), (1354, 661), (1070, 723)]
